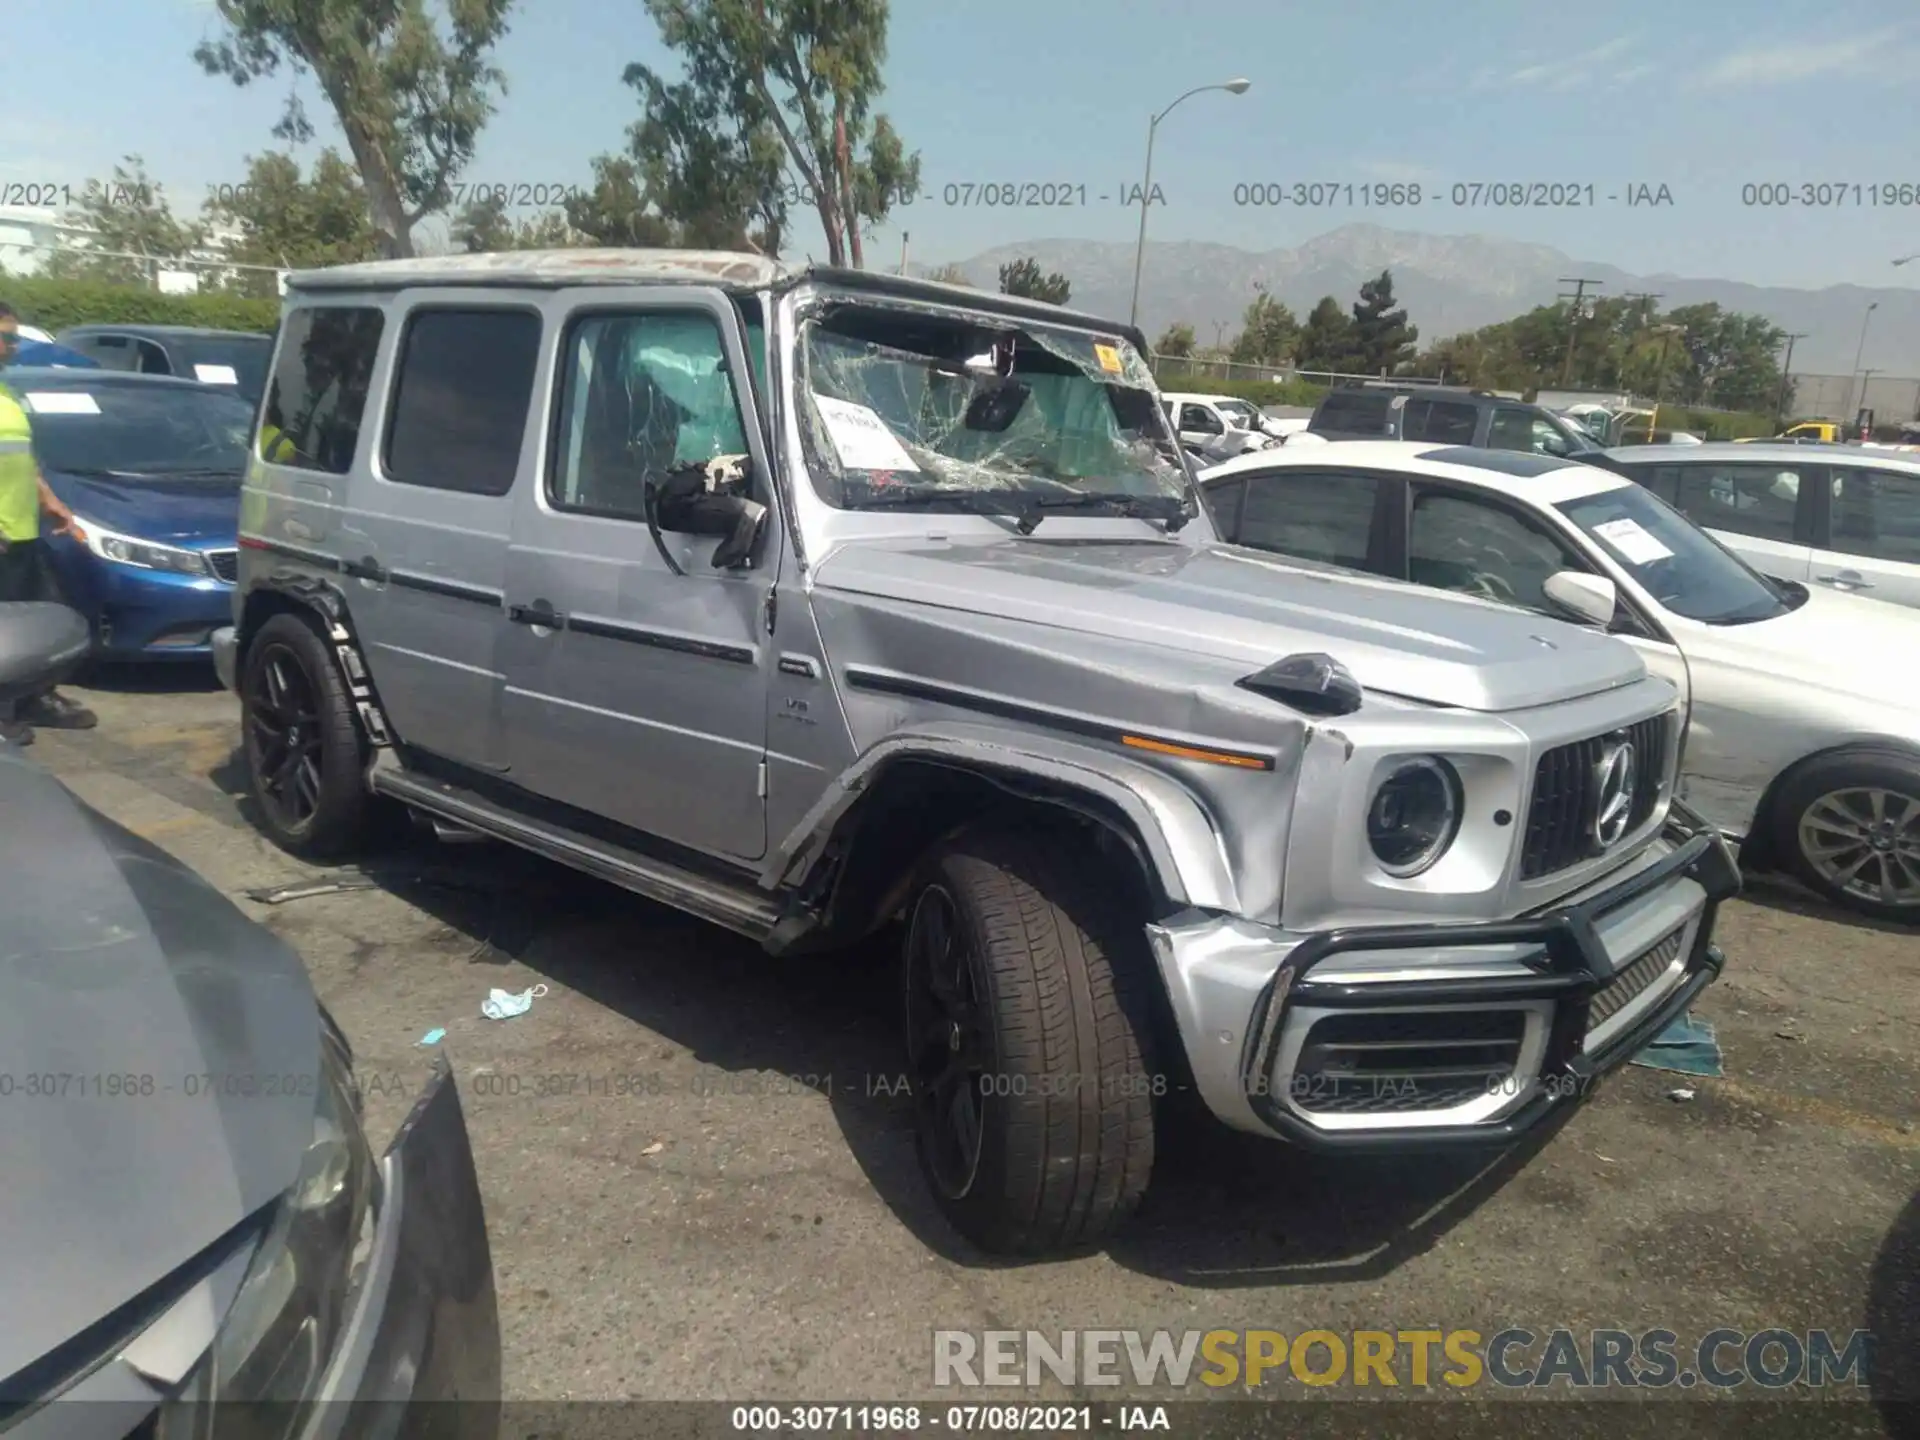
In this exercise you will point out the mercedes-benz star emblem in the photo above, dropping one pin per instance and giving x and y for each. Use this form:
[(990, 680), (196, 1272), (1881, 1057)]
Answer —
[(1613, 779)]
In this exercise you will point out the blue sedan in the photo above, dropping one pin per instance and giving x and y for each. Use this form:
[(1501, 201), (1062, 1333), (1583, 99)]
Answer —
[(151, 468)]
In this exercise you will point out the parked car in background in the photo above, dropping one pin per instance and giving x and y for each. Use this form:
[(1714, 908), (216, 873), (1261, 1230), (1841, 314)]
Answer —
[(1442, 414), (1205, 420), (44, 354), (1824, 432), (151, 469), (1842, 517), (236, 358), (886, 637), (193, 1218), (1802, 740)]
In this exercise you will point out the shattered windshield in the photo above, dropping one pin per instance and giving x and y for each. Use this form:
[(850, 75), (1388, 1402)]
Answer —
[(918, 408)]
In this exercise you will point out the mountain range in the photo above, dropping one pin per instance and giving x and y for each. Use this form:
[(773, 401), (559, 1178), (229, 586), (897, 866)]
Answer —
[(1448, 284)]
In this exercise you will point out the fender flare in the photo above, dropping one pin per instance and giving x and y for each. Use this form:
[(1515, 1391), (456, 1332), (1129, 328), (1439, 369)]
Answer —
[(1176, 833), (327, 603)]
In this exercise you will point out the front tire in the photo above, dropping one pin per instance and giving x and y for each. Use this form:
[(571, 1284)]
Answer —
[(306, 762), (1029, 1042), (1849, 826)]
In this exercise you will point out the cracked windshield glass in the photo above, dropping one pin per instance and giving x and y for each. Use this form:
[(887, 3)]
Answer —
[(913, 408)]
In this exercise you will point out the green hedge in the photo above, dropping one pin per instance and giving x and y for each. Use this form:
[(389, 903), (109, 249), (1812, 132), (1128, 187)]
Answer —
[(53, 305)]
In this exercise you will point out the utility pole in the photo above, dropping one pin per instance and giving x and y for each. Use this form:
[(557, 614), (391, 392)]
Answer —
[(1786, 379), (1573, 323), (903, 251)]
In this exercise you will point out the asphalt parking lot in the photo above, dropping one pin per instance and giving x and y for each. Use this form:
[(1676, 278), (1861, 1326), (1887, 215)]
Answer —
[(700, 1185)]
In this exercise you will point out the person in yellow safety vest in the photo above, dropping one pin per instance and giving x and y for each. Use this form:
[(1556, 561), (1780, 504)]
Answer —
[(274, 444), (24, 574)]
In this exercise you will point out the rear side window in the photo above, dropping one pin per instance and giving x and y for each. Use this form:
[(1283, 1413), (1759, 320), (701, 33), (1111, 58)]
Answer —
[(1361, 410), (1757, 500), (1511, 429), (1445, 422), (460, 402), (319, 389)]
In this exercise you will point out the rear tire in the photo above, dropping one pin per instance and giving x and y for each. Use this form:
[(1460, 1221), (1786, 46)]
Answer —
[(1029, 1042), (306, 760), (1848, 825)]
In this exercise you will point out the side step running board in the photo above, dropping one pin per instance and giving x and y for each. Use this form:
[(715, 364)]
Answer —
[(744, 911)]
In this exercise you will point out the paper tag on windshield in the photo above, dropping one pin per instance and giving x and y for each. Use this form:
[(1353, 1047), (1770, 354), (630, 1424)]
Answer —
[(1109, 358), (61, 402), (216, 375), (1635, 545), (861, 438)]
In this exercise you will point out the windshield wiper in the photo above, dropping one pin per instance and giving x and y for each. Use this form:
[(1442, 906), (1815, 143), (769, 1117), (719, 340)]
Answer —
[(964, 499), (1172, 509)]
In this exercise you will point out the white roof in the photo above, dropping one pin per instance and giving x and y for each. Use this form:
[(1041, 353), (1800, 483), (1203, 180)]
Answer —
[(1550, 482), (553, 267)]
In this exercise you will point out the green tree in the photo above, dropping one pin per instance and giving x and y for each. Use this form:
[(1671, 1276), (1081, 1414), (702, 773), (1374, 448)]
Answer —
[(1269, 332), (484, 226), (410, 99), (950, 275), (1380, 340), (1326, 339), (1176, 342), (801, 75), (129, 216), (291, 221), (721, 185), (1024, 277), (618, 210)]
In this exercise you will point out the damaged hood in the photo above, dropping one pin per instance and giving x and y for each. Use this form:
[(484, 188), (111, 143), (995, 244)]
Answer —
[(1251, 609), (141, 1007)]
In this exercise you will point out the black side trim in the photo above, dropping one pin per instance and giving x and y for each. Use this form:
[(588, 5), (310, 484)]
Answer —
[(660, 640), (452, 589), (879, 682)]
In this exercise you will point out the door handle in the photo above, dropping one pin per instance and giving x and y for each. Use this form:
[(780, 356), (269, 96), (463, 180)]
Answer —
[(540, 612), (1846, 580)]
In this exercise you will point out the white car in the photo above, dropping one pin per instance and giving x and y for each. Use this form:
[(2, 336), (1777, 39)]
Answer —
[(1202, 420), (1853, 527), (1803, 740)]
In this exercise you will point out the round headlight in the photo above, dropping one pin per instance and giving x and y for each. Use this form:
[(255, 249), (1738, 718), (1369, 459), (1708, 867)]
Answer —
[(1414, 815)]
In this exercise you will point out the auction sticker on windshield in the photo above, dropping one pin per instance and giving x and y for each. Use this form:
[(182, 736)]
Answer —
[(1635, 545), (61, 402), (1109, 358), (216, 375), (861, 438)]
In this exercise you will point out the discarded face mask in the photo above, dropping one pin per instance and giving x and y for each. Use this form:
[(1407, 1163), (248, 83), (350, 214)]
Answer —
[(500, 1004)]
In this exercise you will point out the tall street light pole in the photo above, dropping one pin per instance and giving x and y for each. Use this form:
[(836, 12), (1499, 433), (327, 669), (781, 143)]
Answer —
[(1232, 87), (1860, 352), (1786, 379)]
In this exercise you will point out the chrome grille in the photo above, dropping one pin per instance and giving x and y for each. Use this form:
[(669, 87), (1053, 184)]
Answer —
[(225, 564), (1560, 816), (1632, 980)]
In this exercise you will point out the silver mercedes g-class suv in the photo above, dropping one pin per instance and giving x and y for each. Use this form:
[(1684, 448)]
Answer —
[(810, 600)]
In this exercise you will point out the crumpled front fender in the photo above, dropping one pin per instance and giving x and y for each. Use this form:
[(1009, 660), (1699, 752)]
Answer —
[(1176, 833)]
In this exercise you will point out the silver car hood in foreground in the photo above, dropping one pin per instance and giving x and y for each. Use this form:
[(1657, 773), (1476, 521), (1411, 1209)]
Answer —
[(1250, 608), (121, 970)]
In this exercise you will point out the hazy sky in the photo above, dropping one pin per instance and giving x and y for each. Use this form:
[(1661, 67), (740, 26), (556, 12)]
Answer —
[(1704, 98)]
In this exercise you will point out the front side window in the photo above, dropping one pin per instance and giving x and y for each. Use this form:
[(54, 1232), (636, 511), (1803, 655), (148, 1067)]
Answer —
[(1876, 513), (460, 402), (1238, 412), (642, 395), (1456, 542), (1315, 515), (318, 393), (1680, 565), (911, 407), (1756, 500), (1198, 417)]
